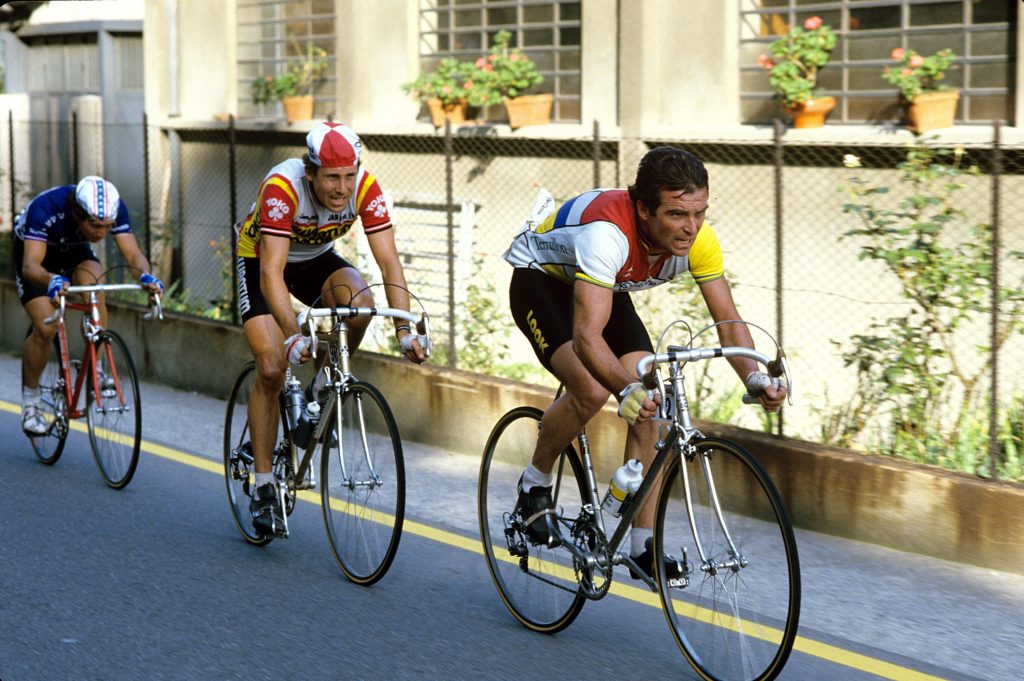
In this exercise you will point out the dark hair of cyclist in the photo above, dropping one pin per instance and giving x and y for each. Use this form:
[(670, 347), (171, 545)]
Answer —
[(311, 168), (666, 168)]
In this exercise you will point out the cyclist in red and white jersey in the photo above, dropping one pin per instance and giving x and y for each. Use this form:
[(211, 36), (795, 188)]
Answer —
[(285, 246), (570, 296)]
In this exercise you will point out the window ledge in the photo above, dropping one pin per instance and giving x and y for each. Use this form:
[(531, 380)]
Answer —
[(867, 134)]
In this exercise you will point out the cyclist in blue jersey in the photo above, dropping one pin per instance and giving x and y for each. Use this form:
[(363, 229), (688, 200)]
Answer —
[(53, 239)]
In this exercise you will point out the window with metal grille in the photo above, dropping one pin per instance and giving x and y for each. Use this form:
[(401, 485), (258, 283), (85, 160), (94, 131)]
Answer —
[(547, 31), (272, 34), (981, 33)]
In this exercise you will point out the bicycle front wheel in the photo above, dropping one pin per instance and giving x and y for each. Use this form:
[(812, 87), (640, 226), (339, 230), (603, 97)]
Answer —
[(737, 618), (115, 414), (362, 483), (49, 446), (538, 585), (239, 473)]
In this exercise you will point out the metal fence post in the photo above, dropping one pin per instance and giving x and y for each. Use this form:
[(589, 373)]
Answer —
[(778, 131), (233, 199), (147, 207), (74, 147), (993, 417), (450, 202), (595, 149), (10, 153)]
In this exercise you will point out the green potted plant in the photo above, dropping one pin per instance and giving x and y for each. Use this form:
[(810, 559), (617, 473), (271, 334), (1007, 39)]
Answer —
[(294, 87), (794, 63), (509, 76), (928, 102), (448, 90)]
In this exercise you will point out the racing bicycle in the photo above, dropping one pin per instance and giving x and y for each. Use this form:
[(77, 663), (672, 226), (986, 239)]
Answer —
[(355, 440), (732, 604), (102, 386)]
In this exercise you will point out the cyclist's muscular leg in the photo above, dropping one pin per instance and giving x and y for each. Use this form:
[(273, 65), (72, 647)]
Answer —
[(87, 273), (347, 287), (37, 346), (582, 399), (266, 342)]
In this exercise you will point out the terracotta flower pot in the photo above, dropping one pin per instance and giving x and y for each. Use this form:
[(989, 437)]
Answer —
[(932, 110), (456, 112), (529, 110), (811, 114), (298, 108)]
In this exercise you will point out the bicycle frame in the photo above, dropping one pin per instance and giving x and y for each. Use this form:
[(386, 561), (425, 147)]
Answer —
[(91, 328), (681, 433), (339, 377)]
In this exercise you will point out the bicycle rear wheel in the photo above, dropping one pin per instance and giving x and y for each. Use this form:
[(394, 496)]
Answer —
[(538, 585), (737, 619), (115, 415), (362, 483), (238, 462), (49, 446)]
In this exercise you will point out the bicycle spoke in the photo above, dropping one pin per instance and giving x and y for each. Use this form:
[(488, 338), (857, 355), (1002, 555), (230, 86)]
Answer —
[(737, 618), (238, 464), (538, 585), (115, 413), (362, 484), (53, 403)]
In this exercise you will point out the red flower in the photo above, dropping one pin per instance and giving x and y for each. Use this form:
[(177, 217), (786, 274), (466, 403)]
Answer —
[(480, 62), (897, 53), (812, 23), (916, 60)]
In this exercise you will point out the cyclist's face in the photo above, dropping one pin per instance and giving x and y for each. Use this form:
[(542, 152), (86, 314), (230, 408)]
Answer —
[(93, 229), (674, 225), (334, 187)]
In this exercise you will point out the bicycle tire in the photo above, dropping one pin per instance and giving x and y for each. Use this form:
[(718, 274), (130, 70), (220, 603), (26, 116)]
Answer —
[(238, 465), (362, 477), (114, 416), (49, 446), (539, 588), (732, 622)]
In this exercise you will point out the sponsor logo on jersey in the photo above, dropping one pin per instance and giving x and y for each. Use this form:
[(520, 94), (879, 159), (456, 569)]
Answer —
[(277, 209), (378, 207)]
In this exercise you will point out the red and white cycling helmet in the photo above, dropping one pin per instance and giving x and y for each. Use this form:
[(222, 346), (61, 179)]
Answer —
[(98, 198), (334, 145)]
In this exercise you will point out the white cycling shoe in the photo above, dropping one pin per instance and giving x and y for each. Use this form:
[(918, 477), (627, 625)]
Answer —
[(33, 422)]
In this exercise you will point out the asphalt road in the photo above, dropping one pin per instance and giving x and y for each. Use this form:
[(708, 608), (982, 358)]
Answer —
[(153, 582)]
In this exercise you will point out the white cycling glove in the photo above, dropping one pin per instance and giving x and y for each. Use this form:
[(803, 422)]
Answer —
[(294, 347), (633, 396), (756, 383), (406, 341)]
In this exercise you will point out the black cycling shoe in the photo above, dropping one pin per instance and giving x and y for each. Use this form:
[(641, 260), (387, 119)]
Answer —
[(536, 509), (265, 508), (673, 569)]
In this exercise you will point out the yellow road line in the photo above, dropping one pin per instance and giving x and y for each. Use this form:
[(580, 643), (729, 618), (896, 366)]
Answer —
[(830, 653)]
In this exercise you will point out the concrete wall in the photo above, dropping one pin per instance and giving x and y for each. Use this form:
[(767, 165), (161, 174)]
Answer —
[(879, 500)]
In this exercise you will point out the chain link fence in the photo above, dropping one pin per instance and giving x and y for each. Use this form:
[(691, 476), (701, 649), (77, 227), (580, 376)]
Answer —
[(861, 331)]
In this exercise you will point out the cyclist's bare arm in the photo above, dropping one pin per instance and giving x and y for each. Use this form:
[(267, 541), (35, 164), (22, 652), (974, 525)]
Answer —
[(718, 297), (591, 310), (134, 258), (273, 258), (382, 246), (32, 263)]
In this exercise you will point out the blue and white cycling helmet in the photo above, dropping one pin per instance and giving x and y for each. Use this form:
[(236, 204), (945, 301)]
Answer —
[(98, 198)]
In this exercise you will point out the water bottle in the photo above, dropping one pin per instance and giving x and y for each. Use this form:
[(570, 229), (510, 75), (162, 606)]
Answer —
[(625, 482), (294, 402), (307, 422)]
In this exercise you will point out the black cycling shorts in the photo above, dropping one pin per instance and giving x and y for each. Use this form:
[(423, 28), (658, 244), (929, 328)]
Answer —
[(62, 259), (542, 309), (305, 280)]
